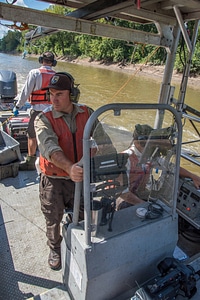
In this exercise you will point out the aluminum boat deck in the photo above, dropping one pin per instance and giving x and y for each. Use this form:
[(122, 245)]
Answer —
[(23, 268)]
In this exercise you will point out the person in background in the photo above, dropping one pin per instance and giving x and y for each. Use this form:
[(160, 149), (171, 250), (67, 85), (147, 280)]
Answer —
[(33, 92), (59, 131), (139, 174)]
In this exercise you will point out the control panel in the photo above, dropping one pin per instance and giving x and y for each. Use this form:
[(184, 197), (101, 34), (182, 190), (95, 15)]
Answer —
[(188, 202)]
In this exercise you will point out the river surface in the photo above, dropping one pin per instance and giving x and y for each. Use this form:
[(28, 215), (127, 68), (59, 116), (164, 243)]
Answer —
[(100, 86)]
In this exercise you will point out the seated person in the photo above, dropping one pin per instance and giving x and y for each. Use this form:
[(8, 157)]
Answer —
[(138, 174)]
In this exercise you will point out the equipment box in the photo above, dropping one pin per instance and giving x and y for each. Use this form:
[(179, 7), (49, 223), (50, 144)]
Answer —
[(17, 128), (9, 149), (9, 170)]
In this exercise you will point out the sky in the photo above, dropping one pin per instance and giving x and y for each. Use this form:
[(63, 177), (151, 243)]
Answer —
[(26, 3)]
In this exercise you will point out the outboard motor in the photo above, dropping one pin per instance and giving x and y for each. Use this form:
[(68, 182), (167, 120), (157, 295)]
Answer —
[(8, 86)]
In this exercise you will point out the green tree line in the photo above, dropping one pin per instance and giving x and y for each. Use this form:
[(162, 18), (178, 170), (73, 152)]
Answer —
[(73, 45)]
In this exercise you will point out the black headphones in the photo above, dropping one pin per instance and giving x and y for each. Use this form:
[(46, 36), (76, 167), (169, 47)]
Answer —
[(41, 59), (74, 90)]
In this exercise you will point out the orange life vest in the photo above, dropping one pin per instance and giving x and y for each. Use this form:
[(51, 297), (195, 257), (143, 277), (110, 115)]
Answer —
[(71, 144), (39, 96)]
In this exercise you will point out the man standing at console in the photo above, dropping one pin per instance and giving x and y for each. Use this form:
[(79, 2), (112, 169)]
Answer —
[(59, 130), (33, 92)]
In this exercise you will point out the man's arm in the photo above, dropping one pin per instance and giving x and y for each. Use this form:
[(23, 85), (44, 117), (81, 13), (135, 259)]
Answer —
[(186, 174), (60, 160), (129, 198), (28, 88)]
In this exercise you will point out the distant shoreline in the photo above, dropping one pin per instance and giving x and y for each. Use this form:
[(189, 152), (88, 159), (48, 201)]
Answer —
[(154, 72), (150, 71)]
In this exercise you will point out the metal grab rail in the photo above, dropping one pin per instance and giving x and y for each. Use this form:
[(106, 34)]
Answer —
[(190, 158), (117, 107)]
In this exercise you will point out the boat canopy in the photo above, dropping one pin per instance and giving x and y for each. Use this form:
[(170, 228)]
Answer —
[(84, 19)]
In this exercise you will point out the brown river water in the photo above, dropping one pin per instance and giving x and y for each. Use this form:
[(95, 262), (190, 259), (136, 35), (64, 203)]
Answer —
[(100, 86)]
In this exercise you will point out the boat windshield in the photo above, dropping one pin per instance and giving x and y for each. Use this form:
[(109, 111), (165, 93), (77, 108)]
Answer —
[(135, 161)]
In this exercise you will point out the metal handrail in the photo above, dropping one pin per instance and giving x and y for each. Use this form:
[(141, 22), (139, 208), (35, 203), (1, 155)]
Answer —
[(116, 108)]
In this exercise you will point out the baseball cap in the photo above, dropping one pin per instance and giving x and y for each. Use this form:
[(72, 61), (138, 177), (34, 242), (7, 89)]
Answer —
[(48, 56), (142, 132), (59, 82)]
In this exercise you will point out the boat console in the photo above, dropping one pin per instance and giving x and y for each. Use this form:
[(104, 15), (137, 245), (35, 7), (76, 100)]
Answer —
[(111, 250), (188, 202)]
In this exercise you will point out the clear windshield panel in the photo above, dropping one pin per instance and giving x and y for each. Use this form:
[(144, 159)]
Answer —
[(131, 162)]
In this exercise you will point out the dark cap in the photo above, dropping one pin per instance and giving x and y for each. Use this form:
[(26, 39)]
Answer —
[(142, 132), (59, 82), (48, 56)]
